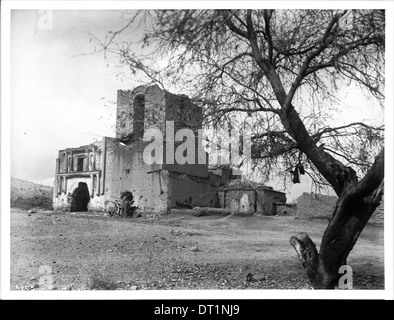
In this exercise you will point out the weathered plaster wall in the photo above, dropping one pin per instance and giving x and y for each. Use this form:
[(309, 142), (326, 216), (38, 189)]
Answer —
[(239, 198), (185, 115), (241, 201), (154, 115), (127, 171), (197, 170), (195, 191), (117, 168), (182, 111), (266, 199), (188, 183), (124, 113), (155, 108)]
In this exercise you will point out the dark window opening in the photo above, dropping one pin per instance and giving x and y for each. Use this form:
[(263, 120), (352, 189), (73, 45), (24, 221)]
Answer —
[(80, 162), (123, 121), (139, 115)]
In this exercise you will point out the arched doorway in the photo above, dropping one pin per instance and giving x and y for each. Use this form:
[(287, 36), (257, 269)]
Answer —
[(80, 198)]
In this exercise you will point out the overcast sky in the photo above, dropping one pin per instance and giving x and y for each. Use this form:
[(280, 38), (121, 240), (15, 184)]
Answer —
[(59, 93)]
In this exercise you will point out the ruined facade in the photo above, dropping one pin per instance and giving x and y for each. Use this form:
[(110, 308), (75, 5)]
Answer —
[(92, 177), (113, 165)]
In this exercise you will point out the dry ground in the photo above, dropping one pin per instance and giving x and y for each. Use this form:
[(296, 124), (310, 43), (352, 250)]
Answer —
[(88, 251)]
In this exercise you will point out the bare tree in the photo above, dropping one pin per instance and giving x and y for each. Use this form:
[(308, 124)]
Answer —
[(280, 69)]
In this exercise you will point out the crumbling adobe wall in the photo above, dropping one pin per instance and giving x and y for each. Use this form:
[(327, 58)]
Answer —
[(247, 198), (185, 115), (198, 170), (124, 113), (288, 209), (127, 171), (378, 216), (188, 190), (311, 206), (241, 201), (220, 176), (267, 199), (155, 109)]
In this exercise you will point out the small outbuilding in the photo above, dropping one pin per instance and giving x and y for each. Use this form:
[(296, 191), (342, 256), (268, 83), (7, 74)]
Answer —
[(245, 197)]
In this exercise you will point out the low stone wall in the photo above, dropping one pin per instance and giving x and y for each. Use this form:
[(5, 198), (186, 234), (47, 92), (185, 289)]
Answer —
[(311, 206), (317, 206), (267, 200), (201, 211), (286, 209), (378, 216)]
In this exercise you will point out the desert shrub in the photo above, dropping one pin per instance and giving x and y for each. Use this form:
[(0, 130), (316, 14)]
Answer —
[(100, 281)]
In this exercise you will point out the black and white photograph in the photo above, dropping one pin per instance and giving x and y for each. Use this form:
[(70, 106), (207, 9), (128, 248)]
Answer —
[(197, 150)]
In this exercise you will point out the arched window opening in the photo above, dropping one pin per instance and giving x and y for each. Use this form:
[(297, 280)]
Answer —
[(139, 115)]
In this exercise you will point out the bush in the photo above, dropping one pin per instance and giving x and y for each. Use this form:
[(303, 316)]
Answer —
[(99, 281)]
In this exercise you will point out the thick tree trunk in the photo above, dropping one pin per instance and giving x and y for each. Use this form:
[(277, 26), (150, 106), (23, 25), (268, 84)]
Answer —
[(357, 199), (353, 209)]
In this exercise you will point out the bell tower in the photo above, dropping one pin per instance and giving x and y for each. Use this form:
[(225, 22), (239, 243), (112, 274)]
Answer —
[(150, 107), (130, 115)]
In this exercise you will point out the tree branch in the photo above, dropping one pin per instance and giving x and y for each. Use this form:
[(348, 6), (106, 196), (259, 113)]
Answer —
[(302, 72), (371, 180), (267, 18), (232, 26), (318, 135)]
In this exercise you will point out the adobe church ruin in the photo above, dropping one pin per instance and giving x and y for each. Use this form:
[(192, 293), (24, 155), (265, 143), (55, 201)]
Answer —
[(104, 169), (114, 165)]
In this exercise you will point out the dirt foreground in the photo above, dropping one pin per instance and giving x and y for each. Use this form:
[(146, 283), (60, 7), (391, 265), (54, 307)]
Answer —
[(84, 251)]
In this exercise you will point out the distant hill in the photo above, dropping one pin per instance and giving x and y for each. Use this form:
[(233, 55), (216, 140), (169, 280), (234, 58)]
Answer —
[(28, 195)]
